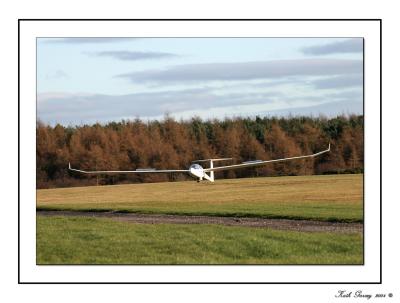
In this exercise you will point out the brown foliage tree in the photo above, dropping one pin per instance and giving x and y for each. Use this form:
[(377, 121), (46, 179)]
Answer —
[(128, 145)]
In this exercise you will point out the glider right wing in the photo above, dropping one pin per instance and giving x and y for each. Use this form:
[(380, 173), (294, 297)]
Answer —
[(137, 171)]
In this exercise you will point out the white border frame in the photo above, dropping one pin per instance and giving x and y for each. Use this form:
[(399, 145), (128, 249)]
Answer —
[(367, 273)]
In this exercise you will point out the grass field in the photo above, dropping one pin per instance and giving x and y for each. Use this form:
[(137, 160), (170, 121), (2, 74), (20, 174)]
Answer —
[(84, 240), (66, 240), (327, 198)]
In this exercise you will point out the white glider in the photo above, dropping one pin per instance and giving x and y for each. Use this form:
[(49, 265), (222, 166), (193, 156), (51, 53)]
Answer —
[(196, 170)]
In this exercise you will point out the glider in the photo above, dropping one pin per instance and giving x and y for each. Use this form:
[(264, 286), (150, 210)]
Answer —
[(196, 170)]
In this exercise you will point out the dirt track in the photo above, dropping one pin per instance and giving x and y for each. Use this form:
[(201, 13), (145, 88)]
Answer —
[(282, 224)]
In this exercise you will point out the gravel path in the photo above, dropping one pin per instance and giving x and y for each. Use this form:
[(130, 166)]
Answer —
[(282, 224)]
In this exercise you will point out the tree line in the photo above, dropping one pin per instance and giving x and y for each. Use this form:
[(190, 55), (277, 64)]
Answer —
[(171, 144)]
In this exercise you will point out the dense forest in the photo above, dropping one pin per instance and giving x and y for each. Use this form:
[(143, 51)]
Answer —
[(171, 144)]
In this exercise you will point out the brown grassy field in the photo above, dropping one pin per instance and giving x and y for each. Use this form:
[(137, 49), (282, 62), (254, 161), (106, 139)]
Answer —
[(328, 198)]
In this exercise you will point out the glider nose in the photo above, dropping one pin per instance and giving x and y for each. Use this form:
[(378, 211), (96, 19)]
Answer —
[(196, 170)]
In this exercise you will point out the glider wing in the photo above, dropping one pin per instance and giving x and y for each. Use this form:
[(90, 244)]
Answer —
[(137, 171), (261, 162)]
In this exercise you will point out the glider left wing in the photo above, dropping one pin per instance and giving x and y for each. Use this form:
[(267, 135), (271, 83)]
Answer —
[(261, 162)]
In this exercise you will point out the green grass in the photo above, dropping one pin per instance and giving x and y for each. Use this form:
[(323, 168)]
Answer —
[(326, 198), (76, 240)]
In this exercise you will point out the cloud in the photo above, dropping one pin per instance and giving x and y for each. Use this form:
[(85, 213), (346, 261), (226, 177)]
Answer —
[(59, 96), (347, 46), (247, 70), (204, 102), (132, 56), (66, 109), (58, 74), (329, 109), (140, 104), (87, 40), (339, 82), (351, 95)]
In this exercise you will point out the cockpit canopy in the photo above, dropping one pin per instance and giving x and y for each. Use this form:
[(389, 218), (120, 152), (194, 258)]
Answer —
[(196, 166)]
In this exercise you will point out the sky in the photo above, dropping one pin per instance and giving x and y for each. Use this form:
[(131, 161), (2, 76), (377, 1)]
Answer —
[(89, 80)]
